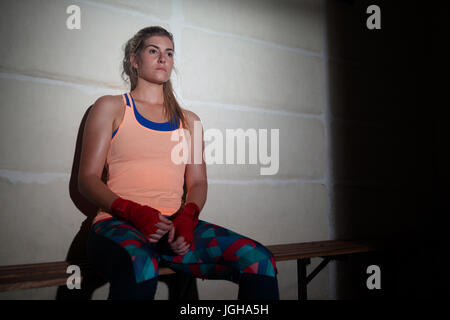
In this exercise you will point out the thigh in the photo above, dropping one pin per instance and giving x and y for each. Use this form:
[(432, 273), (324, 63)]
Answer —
[(114, 240), (222, 254)]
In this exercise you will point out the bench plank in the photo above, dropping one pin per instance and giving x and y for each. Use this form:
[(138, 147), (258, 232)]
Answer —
[(294, 251), (27, 276)]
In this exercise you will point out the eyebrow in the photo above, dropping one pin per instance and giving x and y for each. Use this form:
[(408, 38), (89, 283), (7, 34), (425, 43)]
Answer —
[(157, 47)]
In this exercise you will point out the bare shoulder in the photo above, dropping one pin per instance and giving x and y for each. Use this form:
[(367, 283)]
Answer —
[(108, 107), (191, 117), (109, 103)]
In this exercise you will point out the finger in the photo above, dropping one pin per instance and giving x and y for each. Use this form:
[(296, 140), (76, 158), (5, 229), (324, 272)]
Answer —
[(178, 247), (171, 234), (160, 232), (183, 243), (155, 236), (163, 219), (179, 241), (164, 226), (188, 247), (176, 250), (183, 252), (183, 246)]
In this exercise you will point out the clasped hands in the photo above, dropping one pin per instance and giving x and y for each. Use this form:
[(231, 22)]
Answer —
[(178, 246), (154, 225)]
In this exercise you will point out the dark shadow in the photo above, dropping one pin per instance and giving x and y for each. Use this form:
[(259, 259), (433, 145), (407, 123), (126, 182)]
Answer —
[(386, 93), (181, 286)]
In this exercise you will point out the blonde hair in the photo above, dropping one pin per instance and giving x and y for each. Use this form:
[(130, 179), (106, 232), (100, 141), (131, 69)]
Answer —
[(129, 73)]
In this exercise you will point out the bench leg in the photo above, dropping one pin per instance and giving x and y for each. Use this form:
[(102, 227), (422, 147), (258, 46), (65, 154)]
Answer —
[(301, 278)]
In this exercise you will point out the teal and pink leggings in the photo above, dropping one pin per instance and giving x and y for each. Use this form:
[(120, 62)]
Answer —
[(130, 262)]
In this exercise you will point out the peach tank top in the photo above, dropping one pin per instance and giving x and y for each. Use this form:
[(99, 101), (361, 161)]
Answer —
[(139, 162)]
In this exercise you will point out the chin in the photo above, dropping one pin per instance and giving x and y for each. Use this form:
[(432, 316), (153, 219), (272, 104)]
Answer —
[(157, 81)]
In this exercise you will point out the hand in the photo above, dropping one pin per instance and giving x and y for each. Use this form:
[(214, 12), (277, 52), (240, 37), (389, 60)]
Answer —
[(164, 226), (180, 246), (146, 219), (186, 221)]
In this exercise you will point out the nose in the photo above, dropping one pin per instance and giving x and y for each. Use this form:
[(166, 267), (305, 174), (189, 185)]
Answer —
[(162, 58)]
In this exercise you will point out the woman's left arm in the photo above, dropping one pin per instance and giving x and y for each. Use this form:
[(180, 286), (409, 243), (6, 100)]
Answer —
[(196, 191), (195, 173)]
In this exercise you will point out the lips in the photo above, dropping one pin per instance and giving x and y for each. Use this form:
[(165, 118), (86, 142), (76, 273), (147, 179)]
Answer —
[(161, 69)]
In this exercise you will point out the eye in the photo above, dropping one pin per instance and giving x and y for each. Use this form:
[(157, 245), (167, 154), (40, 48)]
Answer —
[(152, 51), (170, 54)]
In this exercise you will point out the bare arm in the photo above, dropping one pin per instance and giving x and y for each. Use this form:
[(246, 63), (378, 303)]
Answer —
[(96, 140), (196, 183), (196, 178)]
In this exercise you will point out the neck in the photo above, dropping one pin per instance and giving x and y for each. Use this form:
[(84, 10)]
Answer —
[(149, 92)]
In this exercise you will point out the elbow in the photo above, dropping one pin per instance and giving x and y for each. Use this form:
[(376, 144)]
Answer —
[(82, 183), (205, 186), (199, 184)]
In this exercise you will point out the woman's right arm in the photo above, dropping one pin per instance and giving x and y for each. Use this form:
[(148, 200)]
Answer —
[(95, 146)]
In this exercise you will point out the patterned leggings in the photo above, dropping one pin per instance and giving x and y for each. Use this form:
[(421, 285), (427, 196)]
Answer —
[(217, 253)]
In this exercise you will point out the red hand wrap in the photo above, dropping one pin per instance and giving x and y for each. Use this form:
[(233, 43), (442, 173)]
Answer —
[(142, 217), (186, 221)]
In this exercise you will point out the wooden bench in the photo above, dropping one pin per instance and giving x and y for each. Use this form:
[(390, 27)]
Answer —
[(16, 277)]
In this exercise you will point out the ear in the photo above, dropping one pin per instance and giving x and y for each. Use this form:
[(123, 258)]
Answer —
[(134, 60)]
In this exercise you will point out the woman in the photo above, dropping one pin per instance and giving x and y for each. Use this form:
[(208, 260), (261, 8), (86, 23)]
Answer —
[(142, 220)]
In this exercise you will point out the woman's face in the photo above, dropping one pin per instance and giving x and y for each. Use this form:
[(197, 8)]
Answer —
[(155, 61)]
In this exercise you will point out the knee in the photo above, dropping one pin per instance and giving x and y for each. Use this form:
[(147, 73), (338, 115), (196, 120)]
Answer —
[(259, 260)]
